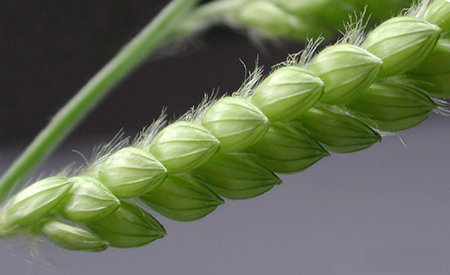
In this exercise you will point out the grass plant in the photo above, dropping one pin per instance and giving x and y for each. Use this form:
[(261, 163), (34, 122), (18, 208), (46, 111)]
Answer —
[(314, 104)]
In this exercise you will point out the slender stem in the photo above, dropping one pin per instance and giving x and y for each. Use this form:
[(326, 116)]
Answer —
[(155, 34)]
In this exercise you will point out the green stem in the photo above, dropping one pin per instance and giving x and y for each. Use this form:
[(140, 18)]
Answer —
[(155, 34)]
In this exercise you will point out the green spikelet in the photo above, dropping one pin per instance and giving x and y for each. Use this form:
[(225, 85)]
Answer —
[(236, 176), (438, 12), (287, 149), (392, 107), (381, 9), (236, 123), (71, 237), (182, 198), (130, 172), (183, 145), (271, 21), (35, 202), (402, 43), (338, 133), (346, 71), (326, 12), (433, 74), (129, 226), (87, 200), (287, 92), (301, 7)]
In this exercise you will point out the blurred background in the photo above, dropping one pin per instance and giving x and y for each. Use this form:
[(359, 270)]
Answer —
[(381, 211), (52, 49)]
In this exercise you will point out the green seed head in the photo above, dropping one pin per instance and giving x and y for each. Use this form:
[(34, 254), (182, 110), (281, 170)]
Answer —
[(271, 21), (433, 74), (392, 107), (402, 43), (301, 7), (183, 145), (129, 226), (287, 92), (346, 71), (338, 132), (325, 12), (35, 202), (380, 9), (236, 177), (130, 172), (438, 12), (287, 149), (88, 200), (235, 122), (265, 17), (72, 238), (182, 198)]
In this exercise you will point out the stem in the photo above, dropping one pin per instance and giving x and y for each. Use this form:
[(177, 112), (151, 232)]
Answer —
[(155, 34)]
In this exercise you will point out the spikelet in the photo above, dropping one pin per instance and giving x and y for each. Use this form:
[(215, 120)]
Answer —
[(71, 237), (184, 145), (346, 71), (272, 21), (402, 43), (87, 200), (35, 202), (438, 13), (287, 92), (336, 131), (235, 176), (131, 171), (129, 226), (433, 74), (182, 198), (287, 149), (235, 122), (392, 106)]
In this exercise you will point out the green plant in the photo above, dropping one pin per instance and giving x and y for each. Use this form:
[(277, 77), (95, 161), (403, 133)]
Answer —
[(168, 168)]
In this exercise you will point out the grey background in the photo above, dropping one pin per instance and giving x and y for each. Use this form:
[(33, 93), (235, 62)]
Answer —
[(384, 210)]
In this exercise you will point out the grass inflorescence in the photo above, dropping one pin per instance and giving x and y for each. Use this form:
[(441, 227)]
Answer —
[(314, 104)]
